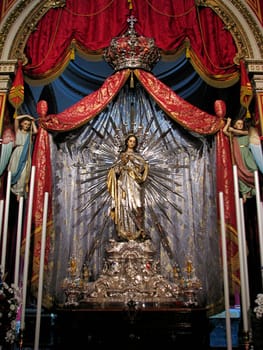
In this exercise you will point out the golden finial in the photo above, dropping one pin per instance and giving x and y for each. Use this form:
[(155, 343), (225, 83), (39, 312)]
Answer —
[(130, 4)]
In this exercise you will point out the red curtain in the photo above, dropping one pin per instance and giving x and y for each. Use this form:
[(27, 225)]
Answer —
[(225, 184), (41, 160), (88, 107), (91, 25), (187, 115)]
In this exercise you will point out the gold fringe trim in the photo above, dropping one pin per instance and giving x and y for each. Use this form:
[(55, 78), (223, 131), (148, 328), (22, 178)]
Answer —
[(51, 75), (169, 56), (88, 54), (217, 81)]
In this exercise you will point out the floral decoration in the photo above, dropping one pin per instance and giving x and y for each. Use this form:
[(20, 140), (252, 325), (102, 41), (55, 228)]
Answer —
[(259, 308), (9, 306)]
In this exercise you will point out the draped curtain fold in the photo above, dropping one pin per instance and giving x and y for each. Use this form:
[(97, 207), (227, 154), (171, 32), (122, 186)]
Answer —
[(225, 184), (88, 107), (187, 115), (42, 162), (91, 25)]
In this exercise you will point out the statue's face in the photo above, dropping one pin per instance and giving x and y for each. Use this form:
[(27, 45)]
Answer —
[(239, 124), (131, 142)]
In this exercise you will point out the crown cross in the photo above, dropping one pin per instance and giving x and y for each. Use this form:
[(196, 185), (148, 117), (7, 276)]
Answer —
[(131, 21)]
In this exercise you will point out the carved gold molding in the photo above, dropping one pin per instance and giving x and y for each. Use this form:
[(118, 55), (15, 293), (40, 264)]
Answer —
[(9, 22), (27, 27)]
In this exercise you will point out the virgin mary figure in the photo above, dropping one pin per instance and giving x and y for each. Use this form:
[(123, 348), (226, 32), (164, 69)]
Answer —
[(124, 182)]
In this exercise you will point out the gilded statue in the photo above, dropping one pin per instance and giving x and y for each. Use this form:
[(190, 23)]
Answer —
[(125, 184)]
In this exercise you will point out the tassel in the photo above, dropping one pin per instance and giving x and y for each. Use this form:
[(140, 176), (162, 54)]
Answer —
[(130, 4), (15, 114), (246, 91), (187, 52), (72, 54), (187, 49), (131, 81), (248, 115), (16, 93)]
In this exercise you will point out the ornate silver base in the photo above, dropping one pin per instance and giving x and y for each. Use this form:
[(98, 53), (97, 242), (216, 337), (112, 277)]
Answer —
[(131, 273)]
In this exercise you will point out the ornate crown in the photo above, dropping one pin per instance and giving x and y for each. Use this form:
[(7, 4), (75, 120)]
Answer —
[(132, 50)]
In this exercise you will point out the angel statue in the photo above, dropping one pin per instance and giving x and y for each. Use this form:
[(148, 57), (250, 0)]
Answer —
[(125, 180), (246, 153), (20, 160)]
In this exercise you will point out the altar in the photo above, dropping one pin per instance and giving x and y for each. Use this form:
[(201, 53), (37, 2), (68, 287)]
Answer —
[(131, 303), (132, 324)]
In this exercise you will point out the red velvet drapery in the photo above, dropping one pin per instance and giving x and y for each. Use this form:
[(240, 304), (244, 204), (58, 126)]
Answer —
[(88, 107), (187, 115), (225, 184), (91, 25)]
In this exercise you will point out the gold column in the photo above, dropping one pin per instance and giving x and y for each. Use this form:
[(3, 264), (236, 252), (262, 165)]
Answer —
[(7, 70), (255, 67)]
